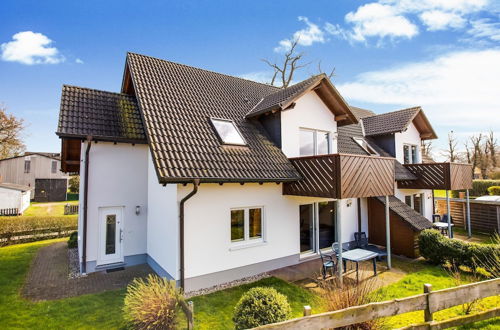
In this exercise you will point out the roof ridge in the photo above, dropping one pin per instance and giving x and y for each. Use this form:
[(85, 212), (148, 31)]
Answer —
[(209, 71), (97, 90), (400, 110)]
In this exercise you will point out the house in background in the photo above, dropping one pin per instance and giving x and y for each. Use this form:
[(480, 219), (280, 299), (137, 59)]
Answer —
[(14, 198), (26, 169), (210, 178)]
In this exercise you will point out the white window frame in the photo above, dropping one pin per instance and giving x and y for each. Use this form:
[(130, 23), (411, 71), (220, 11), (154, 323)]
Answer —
[(247, 241), (369, 149), (315, 140), (409, 145), (214, 119)]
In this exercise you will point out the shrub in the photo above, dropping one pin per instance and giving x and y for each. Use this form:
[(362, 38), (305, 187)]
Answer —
[(261, 306), (494, 190), (152, 303), (439, 249), (13, 225), (74, 184), (73, 240), (480, 187)]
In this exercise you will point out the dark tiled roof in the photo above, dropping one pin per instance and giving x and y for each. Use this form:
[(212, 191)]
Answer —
[(390, 122), (282, 98), (104, 115), (177, 102), (414, 219), (361, 113)]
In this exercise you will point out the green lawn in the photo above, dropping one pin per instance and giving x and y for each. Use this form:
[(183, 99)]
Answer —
[(52, 209)]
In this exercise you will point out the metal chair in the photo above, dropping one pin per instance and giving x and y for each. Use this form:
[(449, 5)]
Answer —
[(362, 242), (445, 219), (436, 218), (327, 262)]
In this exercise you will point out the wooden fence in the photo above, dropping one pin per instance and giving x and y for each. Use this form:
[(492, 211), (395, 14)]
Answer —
[(9, 212), (429, 302), (70, 209), (484, 216)]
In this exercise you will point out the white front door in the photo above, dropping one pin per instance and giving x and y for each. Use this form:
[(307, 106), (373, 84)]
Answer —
[(110, 235)]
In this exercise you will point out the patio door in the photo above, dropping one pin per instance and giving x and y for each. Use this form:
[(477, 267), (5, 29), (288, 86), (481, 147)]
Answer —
[(317, 226), (110, 235)]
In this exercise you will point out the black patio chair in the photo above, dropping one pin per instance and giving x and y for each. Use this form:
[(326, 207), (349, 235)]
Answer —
[(362, 241), (328, 262), (445, 219), (436, 218)]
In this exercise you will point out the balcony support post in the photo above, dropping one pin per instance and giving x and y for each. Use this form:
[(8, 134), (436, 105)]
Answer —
[(467, 204), (448, 212), (340, 263), (388, 232)]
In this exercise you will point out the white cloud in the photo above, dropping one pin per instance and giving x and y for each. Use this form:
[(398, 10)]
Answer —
[(305, 37), (484, 28), (377, 20), (456, 89), (258, 76), (29, 48), (79, 61), (440, 20)]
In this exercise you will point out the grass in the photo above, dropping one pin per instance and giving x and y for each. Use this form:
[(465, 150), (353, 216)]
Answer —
[(412, 284), (215, 310), (97, 310), (481, 238), (47, 209)]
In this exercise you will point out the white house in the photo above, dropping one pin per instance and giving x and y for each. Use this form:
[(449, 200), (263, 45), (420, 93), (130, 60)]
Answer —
[(210, 178), (14, 196)]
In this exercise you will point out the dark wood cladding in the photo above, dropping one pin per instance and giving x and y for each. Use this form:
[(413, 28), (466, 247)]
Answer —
[(448, 176), (70, 155), (484, 216), (342, 176)]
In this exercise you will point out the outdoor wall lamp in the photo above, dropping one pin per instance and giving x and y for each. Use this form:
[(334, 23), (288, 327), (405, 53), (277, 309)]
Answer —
[(349, 202), (137, 210)]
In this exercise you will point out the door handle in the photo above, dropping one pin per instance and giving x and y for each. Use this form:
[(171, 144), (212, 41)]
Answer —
[(121, 235)]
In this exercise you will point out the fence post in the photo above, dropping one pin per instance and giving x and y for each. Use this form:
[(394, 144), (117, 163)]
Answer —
[(307, 310), (427, 312), (191, 315)]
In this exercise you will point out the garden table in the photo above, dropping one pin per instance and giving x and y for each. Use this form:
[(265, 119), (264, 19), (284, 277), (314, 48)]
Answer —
[(358, 255)]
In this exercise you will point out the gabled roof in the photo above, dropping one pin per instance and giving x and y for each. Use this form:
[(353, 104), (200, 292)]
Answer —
[(398, 121), (51, 155), (284, 98), (412, 218), (14, 186), (103, 115), (361, 113), (176, 103)]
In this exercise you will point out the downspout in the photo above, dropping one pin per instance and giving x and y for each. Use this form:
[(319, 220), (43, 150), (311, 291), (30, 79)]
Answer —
[(196, 182), (85, 204)]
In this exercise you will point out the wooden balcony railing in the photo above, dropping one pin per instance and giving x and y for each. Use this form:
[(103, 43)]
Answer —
[(342, 176), (447, 176)]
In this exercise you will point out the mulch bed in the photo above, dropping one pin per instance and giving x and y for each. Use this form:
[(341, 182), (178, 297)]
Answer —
[(48, 277)]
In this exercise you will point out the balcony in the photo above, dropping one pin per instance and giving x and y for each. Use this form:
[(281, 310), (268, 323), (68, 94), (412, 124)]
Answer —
[(342, 176), (447, 176)]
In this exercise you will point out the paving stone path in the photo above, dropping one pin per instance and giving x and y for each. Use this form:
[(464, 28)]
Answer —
[(48, 276)]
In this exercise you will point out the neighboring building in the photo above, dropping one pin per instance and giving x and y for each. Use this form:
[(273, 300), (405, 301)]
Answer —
[(14, 196), (210, 178), (24, 170)]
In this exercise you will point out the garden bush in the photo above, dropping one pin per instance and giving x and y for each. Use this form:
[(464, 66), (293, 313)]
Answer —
[(261, 306), (73, 240), (439, 249), (152, 303), (480, 187), (494, 190)]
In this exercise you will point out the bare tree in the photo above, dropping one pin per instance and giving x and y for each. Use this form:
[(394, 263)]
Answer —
[(476, 152), (285, 71), (329, 75), (491, 145), (426, 147), (451, 152), (10, 134)]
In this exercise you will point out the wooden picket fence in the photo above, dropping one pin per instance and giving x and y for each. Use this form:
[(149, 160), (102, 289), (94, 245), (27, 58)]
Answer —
[(70, 209), (429, 302), (9, 212)]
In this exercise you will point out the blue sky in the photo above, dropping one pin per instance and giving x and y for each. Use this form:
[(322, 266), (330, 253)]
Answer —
[(388, 54)]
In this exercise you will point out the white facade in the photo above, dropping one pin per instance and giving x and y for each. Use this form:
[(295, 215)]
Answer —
[(14, 199)]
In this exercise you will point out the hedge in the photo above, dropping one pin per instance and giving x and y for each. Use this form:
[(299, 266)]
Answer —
[(494, 190), (439, 249), (479, 188), (28, 228)]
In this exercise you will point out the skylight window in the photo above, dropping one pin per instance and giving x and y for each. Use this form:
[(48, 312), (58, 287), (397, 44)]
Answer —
[(228, 132), (366, 147)]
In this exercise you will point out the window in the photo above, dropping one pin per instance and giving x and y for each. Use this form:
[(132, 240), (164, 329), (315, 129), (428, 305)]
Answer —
[(366, 147), (410, 154), (54, 166), (314, 142), (415, 202), (27, 166), (317, 226), (227, 131), (246, 224)]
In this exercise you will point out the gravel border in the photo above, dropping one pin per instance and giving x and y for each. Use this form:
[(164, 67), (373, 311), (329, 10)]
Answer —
[(227, 285), (74, 267)]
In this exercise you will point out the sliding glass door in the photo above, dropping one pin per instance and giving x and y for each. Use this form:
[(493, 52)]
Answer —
[(317, 226), (307, 228)]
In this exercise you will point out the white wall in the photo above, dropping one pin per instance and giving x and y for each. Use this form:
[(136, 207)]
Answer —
[(349, 216), (163, 223), (117, 177), (410, 136), (208, 246), (10, 198), (309, 112), (401, 193), (25, 201)]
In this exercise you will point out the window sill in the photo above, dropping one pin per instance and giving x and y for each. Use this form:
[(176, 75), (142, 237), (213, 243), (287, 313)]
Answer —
[(246, 245)]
